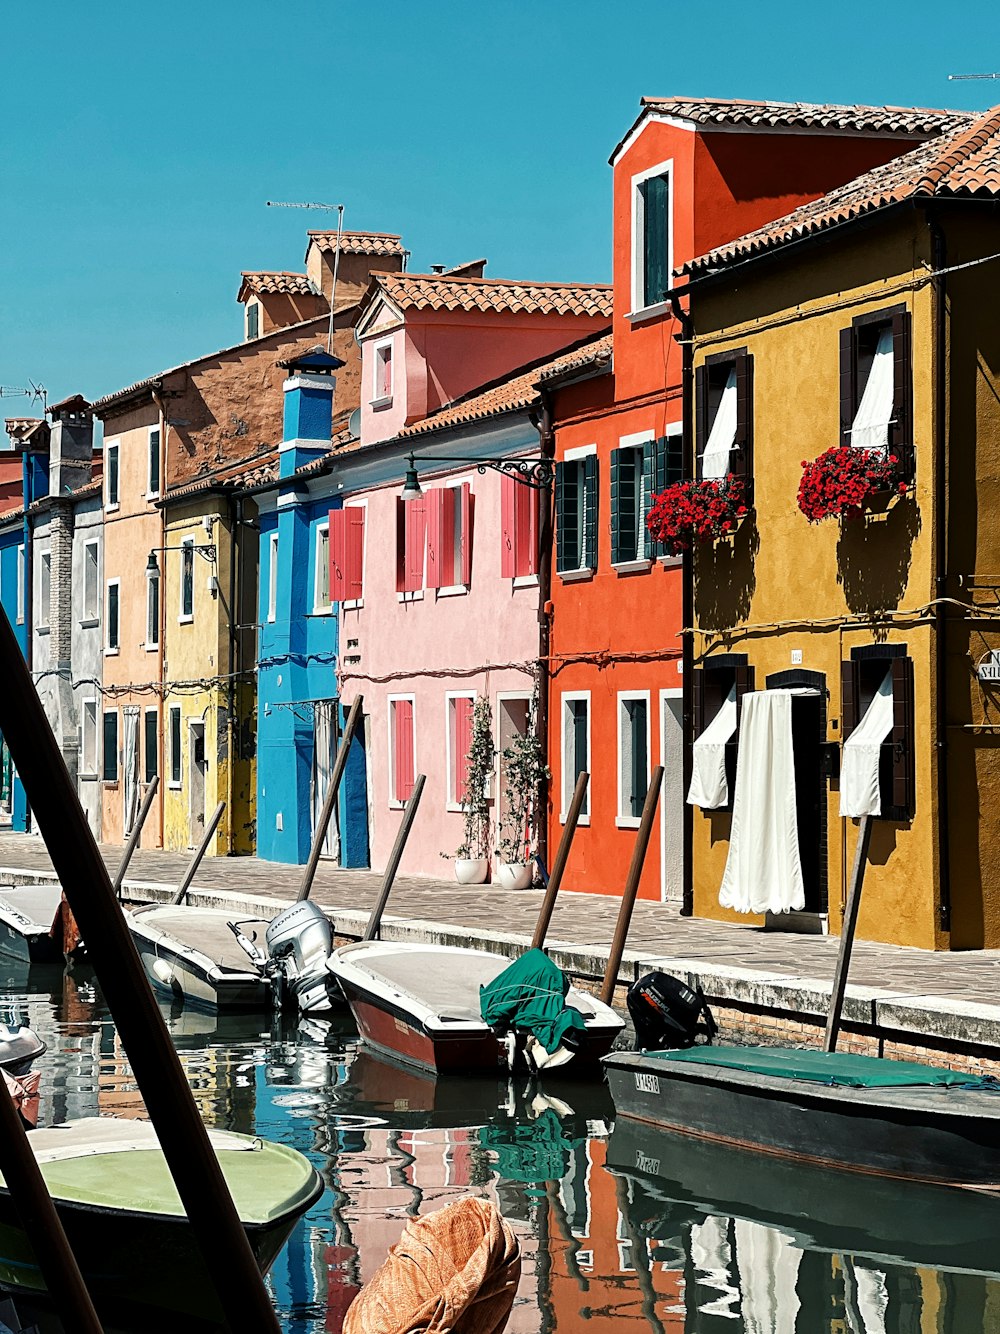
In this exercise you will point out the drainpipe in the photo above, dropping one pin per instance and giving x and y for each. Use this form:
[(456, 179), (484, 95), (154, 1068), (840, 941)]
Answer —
[(235, 505), (546, 440), (686, 335), (161, 654), (941, 506)]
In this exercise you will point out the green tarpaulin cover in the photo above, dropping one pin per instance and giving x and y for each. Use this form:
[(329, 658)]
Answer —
[(531, 995), (821, 1067)]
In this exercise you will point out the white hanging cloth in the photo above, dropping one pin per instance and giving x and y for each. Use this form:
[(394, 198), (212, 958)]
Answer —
[(870, 428), (709, 786), (722, 436), (763, 870), (130, 767), (859, 789)]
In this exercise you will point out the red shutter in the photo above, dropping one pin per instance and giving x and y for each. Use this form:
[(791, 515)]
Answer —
[(338, 560), (354, 550), (402, 718), (461, 744), (415, 524), (463, 559), (509, 547), (519, 528), (438, 569), (530, 501)]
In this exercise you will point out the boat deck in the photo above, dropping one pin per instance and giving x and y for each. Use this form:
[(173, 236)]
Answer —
[(205, 930), (444, 985), (35, 902)]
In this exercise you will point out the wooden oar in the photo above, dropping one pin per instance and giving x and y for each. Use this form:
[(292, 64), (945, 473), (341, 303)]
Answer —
[(847, 929), (559, 865), (185, 884), (631, 886), (133, 838), (375, 921), (329, 801)]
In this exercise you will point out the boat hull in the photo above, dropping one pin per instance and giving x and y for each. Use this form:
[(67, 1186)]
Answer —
[(935, 1135), (402, 1036), (25, 925), (181, 972)]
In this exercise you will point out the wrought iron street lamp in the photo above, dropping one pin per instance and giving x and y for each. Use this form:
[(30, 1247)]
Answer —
[(536, 473)]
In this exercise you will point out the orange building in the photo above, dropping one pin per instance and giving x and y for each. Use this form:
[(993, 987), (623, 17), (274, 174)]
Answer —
[(689, 175)]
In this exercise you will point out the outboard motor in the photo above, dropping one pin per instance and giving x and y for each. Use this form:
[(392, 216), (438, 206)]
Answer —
[(299, 941), (667, 1013)]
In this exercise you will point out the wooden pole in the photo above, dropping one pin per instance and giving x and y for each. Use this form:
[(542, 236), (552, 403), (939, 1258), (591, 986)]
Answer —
[(631, 886), (559, 865), (847, 929), (330, 799), (77, 861), (375, 921), (133, 838), (200, 851)]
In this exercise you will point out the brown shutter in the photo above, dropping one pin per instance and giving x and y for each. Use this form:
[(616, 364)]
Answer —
[(848, 698), (743, 678), (901, 432), (698, 701), (903, 770), (741, 458), (847, 363), (700, 417)]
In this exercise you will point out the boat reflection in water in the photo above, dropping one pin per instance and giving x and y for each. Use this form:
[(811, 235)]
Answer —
[(640, 1230)]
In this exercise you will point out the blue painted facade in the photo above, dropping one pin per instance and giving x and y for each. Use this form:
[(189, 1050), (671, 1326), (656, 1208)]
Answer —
[(297, 648)]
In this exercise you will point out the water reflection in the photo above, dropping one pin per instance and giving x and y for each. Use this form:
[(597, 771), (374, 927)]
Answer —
[(636, 1229)]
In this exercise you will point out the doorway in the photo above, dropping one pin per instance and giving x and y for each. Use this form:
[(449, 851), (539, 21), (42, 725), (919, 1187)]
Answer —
[(809, 697), (326, 739), (513, 712), (672, 796), (197, 770)]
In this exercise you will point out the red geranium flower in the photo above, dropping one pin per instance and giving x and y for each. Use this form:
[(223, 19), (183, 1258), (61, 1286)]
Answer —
[(691, 512), (841, 481)]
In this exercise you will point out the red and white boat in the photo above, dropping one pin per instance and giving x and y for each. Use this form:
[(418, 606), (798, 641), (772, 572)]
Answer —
[(420, 1004)]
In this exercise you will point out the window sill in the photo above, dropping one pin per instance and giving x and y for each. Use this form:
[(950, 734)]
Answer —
[(525, 581), (151, 648), (380, 404), (111, 653), (185, 620), (152, 495), (632, 566), (574, 576), (111, 508), (175, 787), (652, 312), (412, 595), (319, 611), (41, 629), (111, 784), (452, 591), (89, 622), (670, 562), (395, 805), (627, 822), (87, 778), (355, 604), (584, 819), (454, 807)]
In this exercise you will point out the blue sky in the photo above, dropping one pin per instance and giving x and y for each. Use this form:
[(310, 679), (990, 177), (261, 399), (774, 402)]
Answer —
[(138, 145)]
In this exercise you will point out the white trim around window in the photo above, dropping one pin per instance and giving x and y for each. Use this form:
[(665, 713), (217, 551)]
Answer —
[(186, 617), (451, 778), (454, 590), (272, 576), (567, 771), (90, 591), (44, 591), (88, 737), (153, 612), (112, 648), (173, 745), (321, 570), (395, 804), (355, 604), (625, 819), (639, 309), (378, 398), (112, 449), (20, 584), (153, 479)]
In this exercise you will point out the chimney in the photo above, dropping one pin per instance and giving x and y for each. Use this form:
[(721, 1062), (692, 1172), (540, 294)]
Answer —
[(71, 445), (308, 412)]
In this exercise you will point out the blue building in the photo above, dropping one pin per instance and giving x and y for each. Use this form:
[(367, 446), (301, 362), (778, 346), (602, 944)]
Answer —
[(299, 717)]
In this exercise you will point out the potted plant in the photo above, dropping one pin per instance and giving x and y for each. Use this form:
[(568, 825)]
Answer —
[(472, 857), (691, 512), (845, 481), (524, 771)]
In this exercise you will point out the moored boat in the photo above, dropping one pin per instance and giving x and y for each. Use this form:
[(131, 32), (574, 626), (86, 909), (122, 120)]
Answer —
[(27, 913), (192, 955)]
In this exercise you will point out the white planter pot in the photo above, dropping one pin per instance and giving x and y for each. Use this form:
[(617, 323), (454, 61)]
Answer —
[(514, 875), (470, 870)]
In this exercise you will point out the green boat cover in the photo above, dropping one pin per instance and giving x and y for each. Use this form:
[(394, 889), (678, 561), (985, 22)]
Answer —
[(531, 995), (821, 1067)]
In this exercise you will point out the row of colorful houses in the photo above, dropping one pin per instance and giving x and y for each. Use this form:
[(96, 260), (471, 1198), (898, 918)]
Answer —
[(438, 494)]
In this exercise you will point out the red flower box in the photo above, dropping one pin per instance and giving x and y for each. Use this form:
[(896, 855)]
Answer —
[(691, 512), (843, 480)]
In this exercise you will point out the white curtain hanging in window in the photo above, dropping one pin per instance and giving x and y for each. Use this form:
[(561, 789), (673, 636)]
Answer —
[(324, 754), (763, 870), (130, 766), (859, 790), (722, 436), (709, 787), (870, 429)]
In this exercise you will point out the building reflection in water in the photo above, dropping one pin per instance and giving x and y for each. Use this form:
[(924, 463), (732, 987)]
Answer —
[(633, 1229)]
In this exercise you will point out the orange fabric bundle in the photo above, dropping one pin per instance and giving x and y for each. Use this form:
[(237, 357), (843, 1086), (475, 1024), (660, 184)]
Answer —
[(452, 1272), (24, 1092)]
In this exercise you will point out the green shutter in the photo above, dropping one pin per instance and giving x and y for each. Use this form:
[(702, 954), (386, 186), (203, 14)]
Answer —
[(110, 772), (656, 239), (589, 561), (673, 460), (567, 518), (581, 760), (150, 737), (650, 457), (637, 726), (616, 506)]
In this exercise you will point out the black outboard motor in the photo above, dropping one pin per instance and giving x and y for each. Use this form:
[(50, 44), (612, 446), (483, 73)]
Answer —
[(667, 1013)]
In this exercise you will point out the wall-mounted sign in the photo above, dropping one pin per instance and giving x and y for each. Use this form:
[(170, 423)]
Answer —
[(989, 666), (796, 657)]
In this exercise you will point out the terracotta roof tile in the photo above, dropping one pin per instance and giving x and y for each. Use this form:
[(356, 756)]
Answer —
[(248, 472), (287, 284), (359, 243), (918, 121), (423, 291), (964, 162)]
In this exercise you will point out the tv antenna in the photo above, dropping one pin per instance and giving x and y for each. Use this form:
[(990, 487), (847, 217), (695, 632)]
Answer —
[(35, 392), (953, 77), (323, 208)]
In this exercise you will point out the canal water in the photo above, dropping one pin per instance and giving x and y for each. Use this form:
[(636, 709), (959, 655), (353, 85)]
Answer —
[(622, 1228)]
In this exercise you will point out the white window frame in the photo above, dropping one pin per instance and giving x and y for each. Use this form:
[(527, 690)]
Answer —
[(151, 645), (394, 803), (272, 576), (452, 590), (183, 617), (91, 615), (111, 649), (575, 455), (355, 604), (246, 320), (637, 440), (670, 562), (666, 694), (383, 400), (92, 771), (319, 608), (625, 819), (172, 782), (640, 310), (44, 590), (20, 584), (150, 493), (112, 447), (451, 779), (565, 786)]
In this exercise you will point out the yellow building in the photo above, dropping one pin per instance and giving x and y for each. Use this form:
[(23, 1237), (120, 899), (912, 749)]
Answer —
[(209, 580), (865, 321)]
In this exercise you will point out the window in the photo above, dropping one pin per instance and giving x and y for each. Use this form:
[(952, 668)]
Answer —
[(382, 369), (628, 505), (153, 471), (111, 452), (111, 620), (576, 513), (518, 528), (20, 585), (662, 466), (459, 741), (272, 576), (719, 678), (411, 544), (321, 570), (175, 745), (575, 749), (91, 584), (187, 579), (876, 385), (88, 739), (110, 770), (651, 237), (402, 749), (449, 537), (347, 554), (633, 755), (44, 589), (152, 611), (724, 416), (863, 678), (150, 743), (253, 319)]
